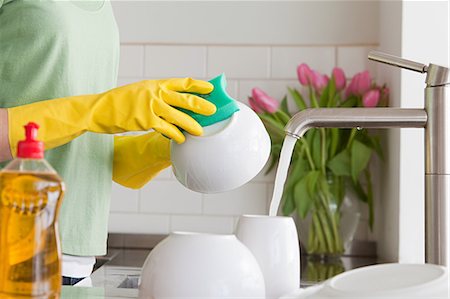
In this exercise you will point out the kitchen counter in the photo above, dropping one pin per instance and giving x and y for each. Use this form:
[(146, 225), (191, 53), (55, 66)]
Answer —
[(118, 274), (69, 292)]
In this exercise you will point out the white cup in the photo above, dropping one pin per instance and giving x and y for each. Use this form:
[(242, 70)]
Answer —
[(229, 154), (273, 240)]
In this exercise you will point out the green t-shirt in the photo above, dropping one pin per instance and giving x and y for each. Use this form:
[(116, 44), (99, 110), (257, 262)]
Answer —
[(52, 49)]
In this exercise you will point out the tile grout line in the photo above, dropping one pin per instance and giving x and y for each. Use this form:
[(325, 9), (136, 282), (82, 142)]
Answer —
[(336, 60), (206, 62), (144, 66), (232, 45), (139, 200)]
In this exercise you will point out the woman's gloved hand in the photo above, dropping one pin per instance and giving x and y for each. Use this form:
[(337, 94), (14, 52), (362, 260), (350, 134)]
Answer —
[(138, 159), (139, 106)]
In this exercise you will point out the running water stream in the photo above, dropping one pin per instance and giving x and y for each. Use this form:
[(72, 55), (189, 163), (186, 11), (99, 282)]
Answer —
[(282, 171)]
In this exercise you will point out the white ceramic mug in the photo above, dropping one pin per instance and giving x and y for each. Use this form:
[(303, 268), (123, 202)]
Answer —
[(273, 240), (197, 265)]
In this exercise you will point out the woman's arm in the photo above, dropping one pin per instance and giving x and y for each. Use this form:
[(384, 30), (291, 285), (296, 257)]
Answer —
[(138, 159), (5, 152)]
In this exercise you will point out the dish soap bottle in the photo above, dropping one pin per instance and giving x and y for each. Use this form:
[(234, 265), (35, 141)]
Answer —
[(30, 196)]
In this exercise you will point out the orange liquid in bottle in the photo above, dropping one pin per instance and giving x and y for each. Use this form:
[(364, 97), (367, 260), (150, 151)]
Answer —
[(29, 245)]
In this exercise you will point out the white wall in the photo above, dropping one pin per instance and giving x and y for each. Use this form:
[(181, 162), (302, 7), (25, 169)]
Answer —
[(256, 44), (387, 222), (415, 30)]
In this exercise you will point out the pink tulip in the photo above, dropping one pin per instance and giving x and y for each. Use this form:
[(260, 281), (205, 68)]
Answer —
[(351, 88), (359, 85), (364, 82), (319, 81), (254, 105), (371, 98), (339, 78), (304, 74), (264, 101)]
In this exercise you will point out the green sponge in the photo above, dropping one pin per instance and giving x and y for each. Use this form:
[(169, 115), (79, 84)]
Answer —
[(225, 104)]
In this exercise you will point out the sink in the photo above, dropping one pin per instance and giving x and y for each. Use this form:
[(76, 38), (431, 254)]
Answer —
[(113, 277), (100, 261), (130, 282)]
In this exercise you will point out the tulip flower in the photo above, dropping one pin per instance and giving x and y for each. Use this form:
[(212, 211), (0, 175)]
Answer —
[(351, 88), (364, 82), (319, 81), (304, 74), (264, 101), (254, 105), (371, 98), (360, 84), (339, 78)]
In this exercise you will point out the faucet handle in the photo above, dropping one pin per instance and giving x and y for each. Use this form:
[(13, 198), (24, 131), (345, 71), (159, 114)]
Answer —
[(397, 61), (436, 75)]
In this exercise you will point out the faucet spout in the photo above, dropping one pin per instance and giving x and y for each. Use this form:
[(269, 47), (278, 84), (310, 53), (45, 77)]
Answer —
[(355, 118)]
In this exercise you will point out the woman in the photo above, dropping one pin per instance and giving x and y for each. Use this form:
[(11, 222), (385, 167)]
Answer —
[(58, 64)]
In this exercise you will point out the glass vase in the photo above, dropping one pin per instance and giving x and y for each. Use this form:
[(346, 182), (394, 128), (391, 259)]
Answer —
[(324, 235), (329, 228)]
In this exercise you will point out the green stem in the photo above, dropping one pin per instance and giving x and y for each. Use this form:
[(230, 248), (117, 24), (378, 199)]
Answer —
[(308, 153), (312, 240), (298, 153), (323, 145), (352, 136), (312, 96), (318, 233), (328, 242), (335, 238)]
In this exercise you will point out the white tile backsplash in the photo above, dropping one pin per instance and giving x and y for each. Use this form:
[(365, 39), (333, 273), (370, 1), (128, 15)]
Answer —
[(175, 61), (169, 197), (128, 80), (124, 199), (202, 224), (133, 223), (248, 199), (238, 62), (131, 61), (285, 60), (354, 60), (274, 88), (248, 22), (233, 88), (166, 174), (262, 177)]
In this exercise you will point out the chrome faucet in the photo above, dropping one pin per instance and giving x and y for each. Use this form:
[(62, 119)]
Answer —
[(435, 118)]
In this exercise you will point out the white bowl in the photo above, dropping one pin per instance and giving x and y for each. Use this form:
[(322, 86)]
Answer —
[(194, 265), (383, 281), (229, 154)]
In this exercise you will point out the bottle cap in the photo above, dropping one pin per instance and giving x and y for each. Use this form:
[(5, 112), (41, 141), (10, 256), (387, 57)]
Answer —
[(30, 148)]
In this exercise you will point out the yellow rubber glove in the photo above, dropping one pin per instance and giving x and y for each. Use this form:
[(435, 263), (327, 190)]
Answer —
[(138, 106), (138, 159)]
